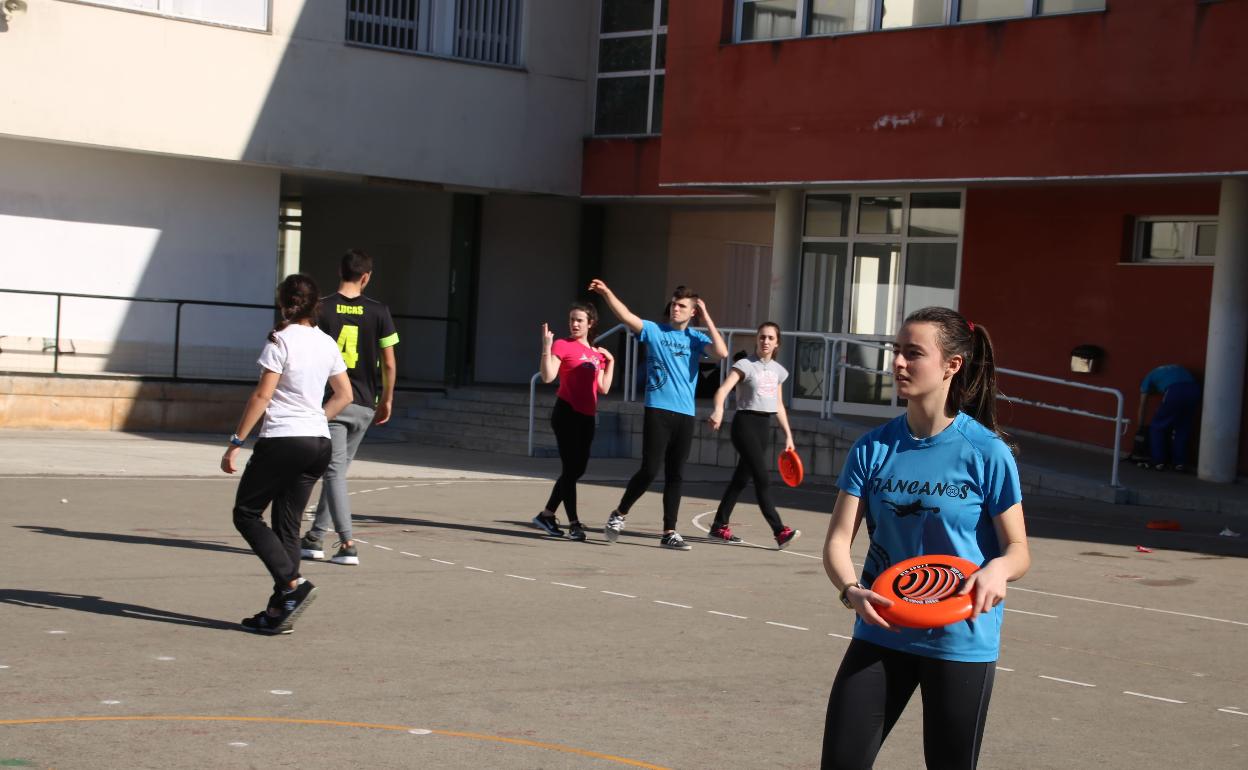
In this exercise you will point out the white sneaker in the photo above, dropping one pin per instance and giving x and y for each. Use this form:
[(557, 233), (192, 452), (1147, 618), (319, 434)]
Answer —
[(615, 525), (674, 541)]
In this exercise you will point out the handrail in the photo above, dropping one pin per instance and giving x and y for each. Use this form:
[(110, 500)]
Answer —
[(177, 318), (1117, 419), (538, 375)]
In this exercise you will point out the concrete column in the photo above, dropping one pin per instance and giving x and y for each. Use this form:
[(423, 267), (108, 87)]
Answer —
[(1223, 398), (786, 259)]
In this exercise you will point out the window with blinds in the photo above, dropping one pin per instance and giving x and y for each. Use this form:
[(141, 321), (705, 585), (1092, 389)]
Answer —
[(487, 31)]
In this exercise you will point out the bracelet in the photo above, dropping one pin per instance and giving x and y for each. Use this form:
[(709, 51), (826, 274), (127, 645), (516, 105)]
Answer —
[(845, 594), (235, 440)]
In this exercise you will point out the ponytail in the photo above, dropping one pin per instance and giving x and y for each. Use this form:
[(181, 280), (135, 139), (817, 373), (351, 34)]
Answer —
[(297, 300), (974, 387)]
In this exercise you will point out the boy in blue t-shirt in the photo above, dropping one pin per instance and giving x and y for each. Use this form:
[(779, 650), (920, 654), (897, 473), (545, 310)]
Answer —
[(1171, 426), (673, 352)]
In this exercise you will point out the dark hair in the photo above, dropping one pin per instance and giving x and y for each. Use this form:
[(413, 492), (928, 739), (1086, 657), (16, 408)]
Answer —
[(680, 292), (773, 325), (354, 265), (591, 313), (974, 387), (297, 299)]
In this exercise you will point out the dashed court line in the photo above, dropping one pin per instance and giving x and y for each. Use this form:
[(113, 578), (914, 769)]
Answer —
[(617, 593), (1065, 681), (478, 569), (1152, 697)]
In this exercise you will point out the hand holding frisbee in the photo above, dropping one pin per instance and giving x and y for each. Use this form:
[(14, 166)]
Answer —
[(790, 467), (926, 591)]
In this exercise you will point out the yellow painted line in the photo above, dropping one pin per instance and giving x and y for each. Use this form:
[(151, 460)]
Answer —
[(335, 723)]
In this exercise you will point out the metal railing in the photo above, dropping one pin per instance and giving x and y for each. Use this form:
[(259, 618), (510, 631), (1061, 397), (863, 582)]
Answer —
[(628, 343), (178, 304), (1120, 423)]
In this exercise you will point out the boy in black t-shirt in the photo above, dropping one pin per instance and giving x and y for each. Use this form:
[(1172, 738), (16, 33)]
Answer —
[(366, 336)]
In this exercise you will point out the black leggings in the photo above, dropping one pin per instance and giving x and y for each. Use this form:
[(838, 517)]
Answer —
[(872, 689), (749, 437), (281, 471), (574, 433), (666, 437)]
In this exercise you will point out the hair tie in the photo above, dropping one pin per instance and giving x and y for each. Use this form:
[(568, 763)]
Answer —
[(972, 325)]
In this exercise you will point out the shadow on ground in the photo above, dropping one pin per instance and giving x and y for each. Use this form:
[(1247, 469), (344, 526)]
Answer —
[(52, 600)]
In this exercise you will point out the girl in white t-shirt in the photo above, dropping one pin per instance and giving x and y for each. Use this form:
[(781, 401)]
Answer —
[(758, 380), (293, 449)]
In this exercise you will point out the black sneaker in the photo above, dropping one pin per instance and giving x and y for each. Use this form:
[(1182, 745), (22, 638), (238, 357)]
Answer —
[(576, 532), (293, 605), (310, 547), (346, 555), (548, 524), (675, 542), (264, 623)]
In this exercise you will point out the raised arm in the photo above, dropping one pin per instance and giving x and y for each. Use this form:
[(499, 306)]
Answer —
[(549, 362), (719, 349), (626, 316)]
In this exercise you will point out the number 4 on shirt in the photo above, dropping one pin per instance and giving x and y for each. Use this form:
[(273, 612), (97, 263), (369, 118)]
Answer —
[(349, 344)]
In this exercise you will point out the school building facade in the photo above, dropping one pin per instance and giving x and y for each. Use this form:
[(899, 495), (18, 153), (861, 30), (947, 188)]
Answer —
[(1065, 172)]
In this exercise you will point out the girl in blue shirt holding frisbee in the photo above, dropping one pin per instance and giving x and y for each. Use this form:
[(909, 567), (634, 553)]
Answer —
[(937, 480)]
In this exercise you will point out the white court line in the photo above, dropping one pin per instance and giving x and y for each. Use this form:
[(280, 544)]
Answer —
[(440, 561), (365, 542), (1130, 606), (405, 553), (381, 489), (478, 569), (842, 636), (520, 577), (786, 625), (1025, 612), (673, 604), (1065, 681), (728, 615), (1152, 697), (384, 547), (1233, 711), (1003, 668), (697, 522), (566, 585), (613, 593)]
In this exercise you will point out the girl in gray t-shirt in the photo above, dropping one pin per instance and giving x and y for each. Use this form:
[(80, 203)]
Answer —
[(757, 380)]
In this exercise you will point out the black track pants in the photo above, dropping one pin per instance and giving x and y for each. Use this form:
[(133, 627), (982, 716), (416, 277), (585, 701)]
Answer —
[(749, 437), (281, 471), (574, 433), (666, 438), (871, 690)]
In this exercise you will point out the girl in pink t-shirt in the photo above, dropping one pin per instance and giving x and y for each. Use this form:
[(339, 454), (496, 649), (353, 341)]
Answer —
[(584, 371)]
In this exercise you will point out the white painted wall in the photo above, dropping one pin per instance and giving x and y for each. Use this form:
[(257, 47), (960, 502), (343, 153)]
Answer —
[(100, 222), (528, 274), (301, 99)]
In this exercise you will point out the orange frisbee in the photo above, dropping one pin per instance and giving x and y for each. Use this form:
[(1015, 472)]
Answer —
[(791, 467), (924, 591)]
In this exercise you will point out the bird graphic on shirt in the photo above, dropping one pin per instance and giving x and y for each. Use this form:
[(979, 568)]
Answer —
[(910, 509)]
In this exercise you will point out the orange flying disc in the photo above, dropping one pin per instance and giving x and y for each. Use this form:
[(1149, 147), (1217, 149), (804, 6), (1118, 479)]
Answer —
[(924, 591), (791, 467)]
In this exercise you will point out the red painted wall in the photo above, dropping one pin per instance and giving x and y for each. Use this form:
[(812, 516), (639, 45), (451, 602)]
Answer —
[(621, 167), (1041, 269), (1146, 87)]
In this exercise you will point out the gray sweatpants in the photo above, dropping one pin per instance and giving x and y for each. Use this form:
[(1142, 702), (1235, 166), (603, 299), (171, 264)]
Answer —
[(346, 431)]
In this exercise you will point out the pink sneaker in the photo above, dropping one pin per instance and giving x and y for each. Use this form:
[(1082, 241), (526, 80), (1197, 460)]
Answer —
[(724, 534), (786, 536)]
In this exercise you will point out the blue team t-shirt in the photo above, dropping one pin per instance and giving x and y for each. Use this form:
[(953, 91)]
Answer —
[(935, 495), (1160, 379), (672, 357)]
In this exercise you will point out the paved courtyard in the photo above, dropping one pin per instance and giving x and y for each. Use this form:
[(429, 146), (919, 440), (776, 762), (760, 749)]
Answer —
[(467, 640)]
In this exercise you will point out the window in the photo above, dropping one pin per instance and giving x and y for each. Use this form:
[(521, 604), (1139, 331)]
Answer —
[(775, 19), (1171, 240), (487, 31), (248, 14), (632, 62), (867, 261)]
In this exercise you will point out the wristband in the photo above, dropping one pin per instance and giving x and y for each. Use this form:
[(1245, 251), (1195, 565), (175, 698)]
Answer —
[(235, 440), (845, 594)]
